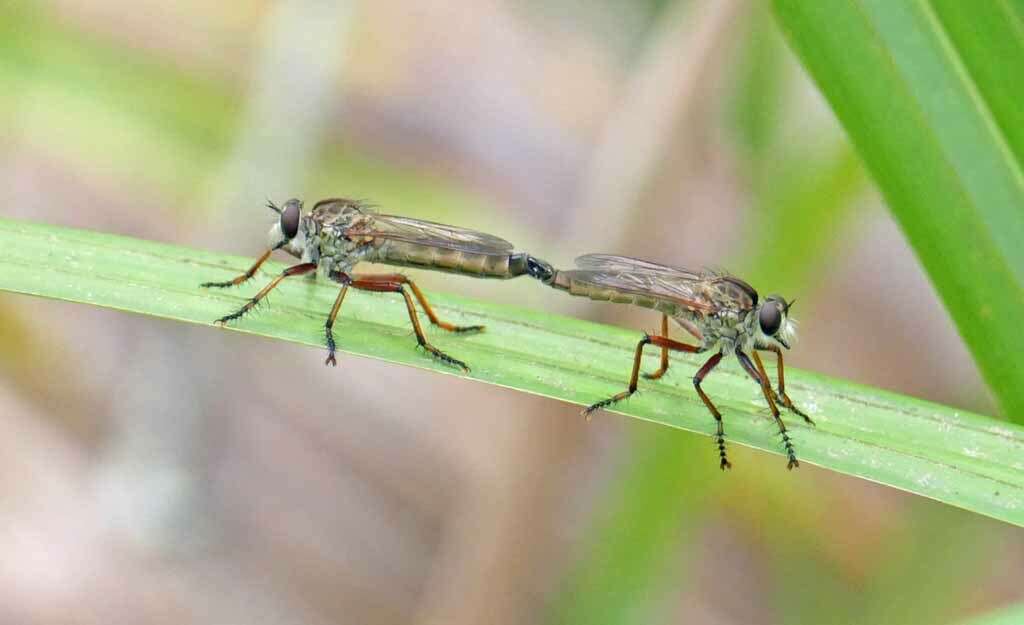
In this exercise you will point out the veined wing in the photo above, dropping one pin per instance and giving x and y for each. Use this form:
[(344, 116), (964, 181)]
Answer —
[(429, 233), (705, 292), (611, 262)]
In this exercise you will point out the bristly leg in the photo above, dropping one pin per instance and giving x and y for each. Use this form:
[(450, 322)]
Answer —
[(398, 278), (766, 390), (633, 381), (329, 324), (634, 377), (443, 357), (787, 403), (241, 312), (294, 270), (387, 284), (720, 433), (780, 397), (664, 352), (242, 278)]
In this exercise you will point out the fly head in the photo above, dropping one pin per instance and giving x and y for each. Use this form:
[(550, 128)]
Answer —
[(774, 322), (290, 231)]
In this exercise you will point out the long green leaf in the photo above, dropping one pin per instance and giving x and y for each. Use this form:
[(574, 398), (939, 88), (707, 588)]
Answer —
[(953, 456), (930, 93)]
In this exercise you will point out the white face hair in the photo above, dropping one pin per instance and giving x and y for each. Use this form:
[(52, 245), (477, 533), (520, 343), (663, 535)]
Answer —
[(787, 331), (275, 237), (296, 246)]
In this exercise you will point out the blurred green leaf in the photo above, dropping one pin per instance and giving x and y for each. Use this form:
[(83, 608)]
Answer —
[(628, 562), (930, 93), (760, 81), (1013, 615), (988, 38), (953, 456), (113, 110), (799, 214)]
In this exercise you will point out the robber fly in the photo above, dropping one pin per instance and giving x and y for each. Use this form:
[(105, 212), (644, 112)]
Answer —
[(722, 312), (339, 233)]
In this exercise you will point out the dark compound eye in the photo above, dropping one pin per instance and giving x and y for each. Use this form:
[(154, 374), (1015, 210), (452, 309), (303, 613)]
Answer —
[(770, 318), (290, 218)]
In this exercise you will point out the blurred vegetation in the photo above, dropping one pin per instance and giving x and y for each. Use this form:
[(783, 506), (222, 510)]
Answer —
[(138, 121), (129, 116), (922, 89), (1008, 616)]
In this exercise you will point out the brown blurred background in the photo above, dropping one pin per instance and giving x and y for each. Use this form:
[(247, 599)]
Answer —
[(157, 473)]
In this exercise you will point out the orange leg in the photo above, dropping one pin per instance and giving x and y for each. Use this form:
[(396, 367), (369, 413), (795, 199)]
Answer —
[(294, 270), (634, 378), (781, 397), (720, 434), (666, 343), (387, 284), (398, 278), (766, 390), (242, 278), (664, 352), (329, 326)]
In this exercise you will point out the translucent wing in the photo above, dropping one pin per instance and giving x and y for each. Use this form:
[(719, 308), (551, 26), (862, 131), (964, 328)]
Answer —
[(429, 233), (705, 292), (611, 262)]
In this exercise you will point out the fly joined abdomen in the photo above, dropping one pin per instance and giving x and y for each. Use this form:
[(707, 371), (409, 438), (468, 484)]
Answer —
[(473, 264)]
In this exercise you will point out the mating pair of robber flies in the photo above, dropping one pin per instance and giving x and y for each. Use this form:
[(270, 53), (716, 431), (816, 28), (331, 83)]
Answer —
[(723, 313)]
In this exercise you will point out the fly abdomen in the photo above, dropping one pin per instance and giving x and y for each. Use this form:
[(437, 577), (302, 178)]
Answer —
[(478, 265)]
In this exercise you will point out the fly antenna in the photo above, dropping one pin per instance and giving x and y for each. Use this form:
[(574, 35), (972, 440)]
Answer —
[(273, 207)]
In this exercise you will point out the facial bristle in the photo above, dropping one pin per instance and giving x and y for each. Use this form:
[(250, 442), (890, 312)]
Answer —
[(788, 330)]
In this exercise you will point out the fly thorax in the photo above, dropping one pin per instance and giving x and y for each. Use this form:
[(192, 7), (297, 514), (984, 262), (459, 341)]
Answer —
[(338, 253), (730, 323), (729, 329), (712, 327)]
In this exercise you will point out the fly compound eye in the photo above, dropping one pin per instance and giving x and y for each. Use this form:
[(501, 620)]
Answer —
[(290, 218), (770, 317)]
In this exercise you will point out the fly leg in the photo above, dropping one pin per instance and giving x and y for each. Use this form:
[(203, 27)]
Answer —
[(427, 308), (387, 284), (294, 270), (242, 278), (329, 325), (720, 434), (664, 352), (766, 390), (660, 341), (781, 397)]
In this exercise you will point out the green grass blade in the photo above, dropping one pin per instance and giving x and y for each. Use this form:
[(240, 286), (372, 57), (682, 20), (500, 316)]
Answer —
[(989, 39), (953, 456), (930, 94)]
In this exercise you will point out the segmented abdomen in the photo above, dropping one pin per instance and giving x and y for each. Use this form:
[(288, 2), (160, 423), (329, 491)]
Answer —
[(406, 254)]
